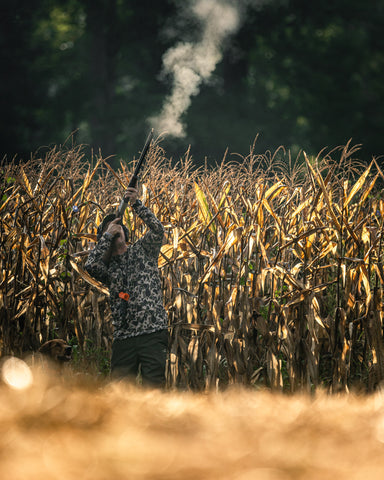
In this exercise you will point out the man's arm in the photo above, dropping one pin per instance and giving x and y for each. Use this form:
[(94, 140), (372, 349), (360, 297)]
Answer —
[(98, 259), (153, 239)]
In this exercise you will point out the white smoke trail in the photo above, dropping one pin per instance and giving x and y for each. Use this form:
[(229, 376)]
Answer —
[(191, 64)]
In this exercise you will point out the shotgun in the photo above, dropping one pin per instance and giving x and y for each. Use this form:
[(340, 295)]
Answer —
[(133, 182)]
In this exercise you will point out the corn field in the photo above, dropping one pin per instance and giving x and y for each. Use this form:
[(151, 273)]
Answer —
[(271, 268)]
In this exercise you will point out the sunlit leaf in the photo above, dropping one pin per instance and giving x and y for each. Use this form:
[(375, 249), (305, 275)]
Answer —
[(358, 185)]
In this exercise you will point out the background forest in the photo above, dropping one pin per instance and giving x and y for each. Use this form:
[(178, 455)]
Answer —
[(305, 75)]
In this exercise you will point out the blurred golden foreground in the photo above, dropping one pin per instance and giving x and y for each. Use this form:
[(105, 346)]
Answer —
[(77, 428)]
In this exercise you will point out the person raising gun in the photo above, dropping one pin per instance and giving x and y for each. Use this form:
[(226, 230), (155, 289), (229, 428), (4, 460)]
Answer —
[(140, 336)]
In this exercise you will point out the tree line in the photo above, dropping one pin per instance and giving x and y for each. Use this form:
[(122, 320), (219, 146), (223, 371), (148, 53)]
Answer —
[(298, 74)]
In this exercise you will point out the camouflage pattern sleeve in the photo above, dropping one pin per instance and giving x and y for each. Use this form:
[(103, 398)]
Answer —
[(153, 239), (94, 264)]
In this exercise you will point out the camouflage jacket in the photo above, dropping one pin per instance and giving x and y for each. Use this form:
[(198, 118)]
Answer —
[(134, 272)]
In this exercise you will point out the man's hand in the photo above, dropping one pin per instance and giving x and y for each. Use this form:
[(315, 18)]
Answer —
[(130, 196), (115, 228)]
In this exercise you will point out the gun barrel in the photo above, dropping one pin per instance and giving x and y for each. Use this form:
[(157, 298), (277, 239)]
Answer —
[(143, 154), (133, 181)]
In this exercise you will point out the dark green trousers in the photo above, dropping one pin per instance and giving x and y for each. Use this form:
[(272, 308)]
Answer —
[(145, 353)]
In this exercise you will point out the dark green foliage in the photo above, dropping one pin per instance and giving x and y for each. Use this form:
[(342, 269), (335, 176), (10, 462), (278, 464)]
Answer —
[(303, 75)]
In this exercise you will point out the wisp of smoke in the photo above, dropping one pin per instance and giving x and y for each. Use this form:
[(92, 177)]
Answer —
[(191, 64)]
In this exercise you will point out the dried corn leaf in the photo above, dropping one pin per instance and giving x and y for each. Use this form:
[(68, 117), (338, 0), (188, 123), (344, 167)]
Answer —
[(232, 238), (205, 214), (360, 182), (85, 275), (325, 193)]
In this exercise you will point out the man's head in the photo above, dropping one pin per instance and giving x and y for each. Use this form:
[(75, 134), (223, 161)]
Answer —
[(119, 232)]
